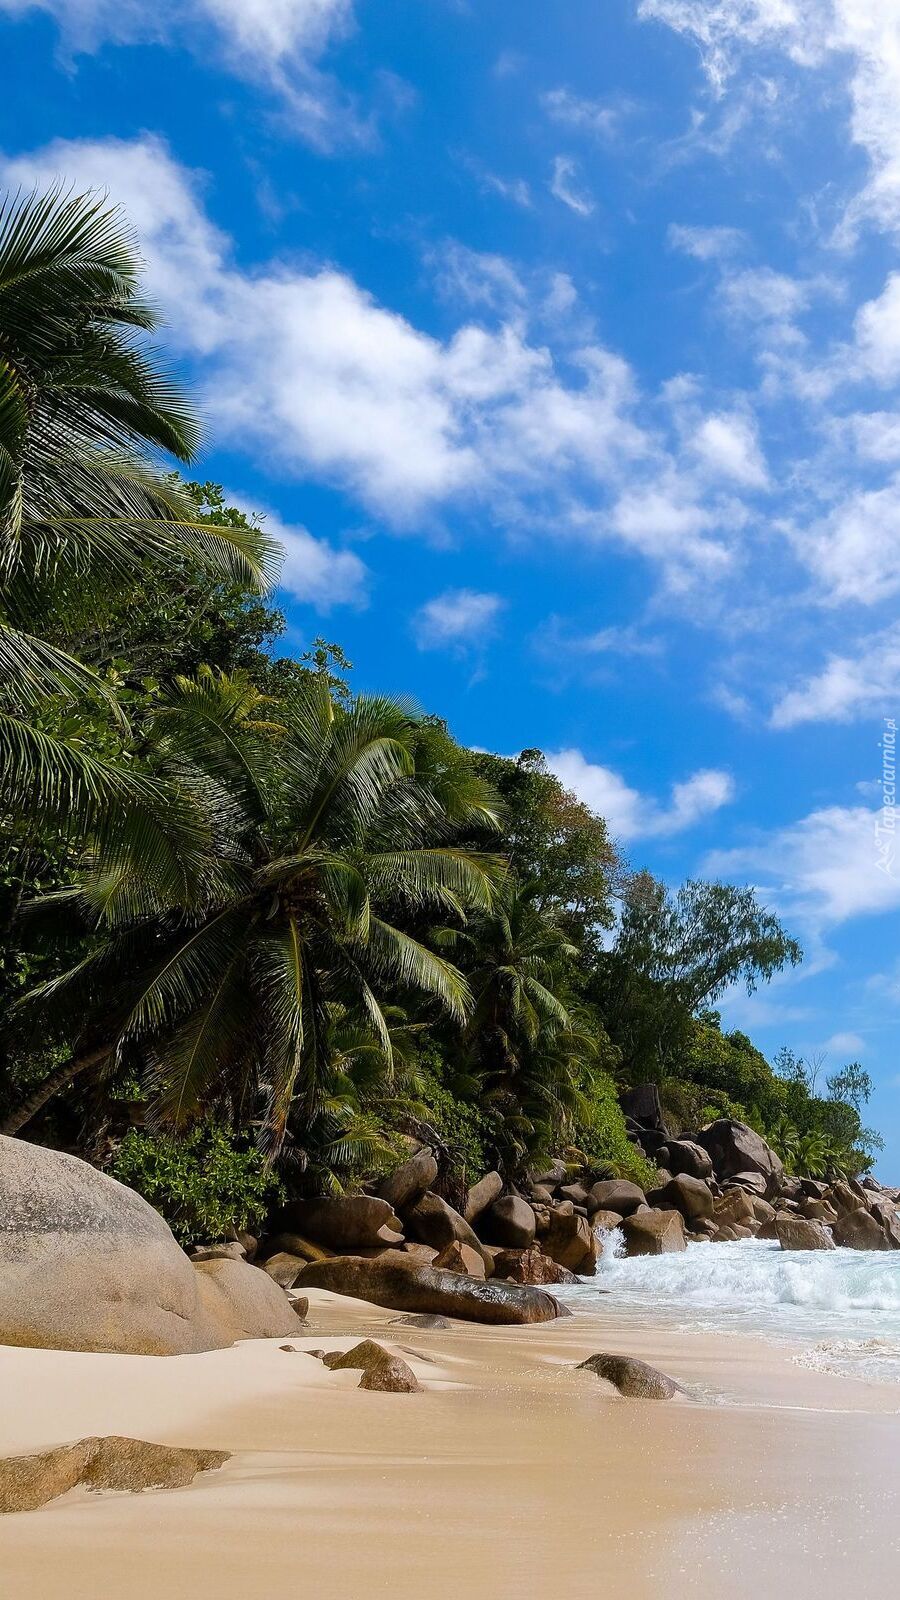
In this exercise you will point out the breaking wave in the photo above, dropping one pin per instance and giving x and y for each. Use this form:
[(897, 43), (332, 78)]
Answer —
[(843, 1304)]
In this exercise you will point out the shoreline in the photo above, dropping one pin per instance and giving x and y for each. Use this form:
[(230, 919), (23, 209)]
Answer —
[(510, 1475)]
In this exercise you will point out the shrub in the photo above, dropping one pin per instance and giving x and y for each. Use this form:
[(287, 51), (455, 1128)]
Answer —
[(462, 1127), (601, 1134), (205, 1183)]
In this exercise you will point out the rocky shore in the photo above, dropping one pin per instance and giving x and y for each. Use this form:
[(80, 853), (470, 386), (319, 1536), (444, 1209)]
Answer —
[(86, 1264)]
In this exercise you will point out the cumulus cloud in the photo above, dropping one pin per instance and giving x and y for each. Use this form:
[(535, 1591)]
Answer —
[(631, 815), (312, 570), (822, 870), (848, 686), (758, 294), (845, 1044), (728, 444), (853, 552), (301, 365), (277, 43), (456, 617)]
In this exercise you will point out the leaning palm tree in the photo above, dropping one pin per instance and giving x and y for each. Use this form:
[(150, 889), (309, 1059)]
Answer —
[(334, 831), (86, 419)]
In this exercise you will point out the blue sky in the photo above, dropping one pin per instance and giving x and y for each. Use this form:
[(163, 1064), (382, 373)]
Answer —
[(561, 346)]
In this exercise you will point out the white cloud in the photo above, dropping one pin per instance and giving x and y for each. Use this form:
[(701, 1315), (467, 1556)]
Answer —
[(631, 815), (301, 366), (875, 435), (307, 365), (812, 34), (276, 43), (758, 294), (670, 521), (312, 570), (565, 186), (728, 444), (456, 617), (475, 277), (822, 870), (848, 687), (853, 552), (619, 641), (845, 1044), (597, 117), (516, 190), (877, 330), (705, 244)]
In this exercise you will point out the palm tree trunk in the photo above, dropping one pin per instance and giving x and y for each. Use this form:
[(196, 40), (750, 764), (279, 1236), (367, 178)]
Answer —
[(45, 1091)]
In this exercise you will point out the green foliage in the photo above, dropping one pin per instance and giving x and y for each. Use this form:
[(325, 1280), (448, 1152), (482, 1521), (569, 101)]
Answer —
[(673, 957), (555, 842), (600, 1133), (458, 1120), (206, 1184), (851, 1085), (330, 831)]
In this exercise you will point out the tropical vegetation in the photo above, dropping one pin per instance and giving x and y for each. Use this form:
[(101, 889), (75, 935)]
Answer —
[(257, 929)]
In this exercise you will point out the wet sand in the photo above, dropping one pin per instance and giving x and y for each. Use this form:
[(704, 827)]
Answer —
[(510, 1477)]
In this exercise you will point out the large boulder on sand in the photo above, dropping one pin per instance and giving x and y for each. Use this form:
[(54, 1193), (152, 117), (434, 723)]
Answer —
[(342, 1222), (381, 1370), (408, 1182), (401, 1285), (87, 1264), (734, 1148), (509, 1222), (798, 1233), (654, 1233), (243, 1302)]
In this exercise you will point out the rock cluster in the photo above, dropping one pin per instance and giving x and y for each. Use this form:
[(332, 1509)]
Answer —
[(86, 1264), (727, 1183)]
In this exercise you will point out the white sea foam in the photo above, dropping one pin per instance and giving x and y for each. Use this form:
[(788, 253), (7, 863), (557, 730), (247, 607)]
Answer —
[(843, 1304)]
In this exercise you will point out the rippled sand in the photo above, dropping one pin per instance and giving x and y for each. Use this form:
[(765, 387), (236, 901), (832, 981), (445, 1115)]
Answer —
[(510, 1477)]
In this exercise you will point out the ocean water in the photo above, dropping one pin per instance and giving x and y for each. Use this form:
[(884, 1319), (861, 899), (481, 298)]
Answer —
[(841, 1306)]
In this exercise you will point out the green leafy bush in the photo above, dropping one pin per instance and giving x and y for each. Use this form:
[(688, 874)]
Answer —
[(462, 1127), (204, 1184), (601, 1134)]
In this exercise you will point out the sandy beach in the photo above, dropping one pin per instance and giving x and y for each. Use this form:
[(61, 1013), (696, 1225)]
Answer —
[(511, 1475)]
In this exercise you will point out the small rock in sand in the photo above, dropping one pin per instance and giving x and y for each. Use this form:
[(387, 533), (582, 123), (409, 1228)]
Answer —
[(27, 1482), (633, 1378), (421, 1320)]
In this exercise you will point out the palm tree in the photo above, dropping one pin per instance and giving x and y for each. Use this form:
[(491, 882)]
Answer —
[(784, 1139), (85, 412), (332, 832), (526, 1048)]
